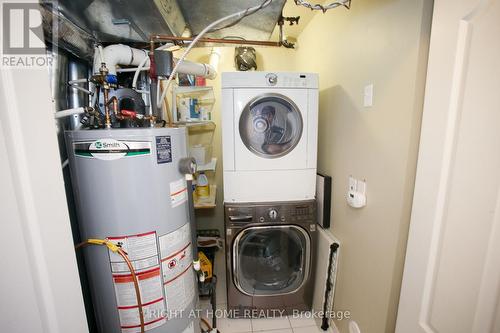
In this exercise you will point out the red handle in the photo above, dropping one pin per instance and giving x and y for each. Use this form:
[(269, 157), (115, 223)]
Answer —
[(129, 113)]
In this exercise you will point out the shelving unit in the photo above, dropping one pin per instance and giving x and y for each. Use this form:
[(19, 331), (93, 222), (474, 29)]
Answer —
[(200, 131), (208, 202), (210, 166), (203, 94)]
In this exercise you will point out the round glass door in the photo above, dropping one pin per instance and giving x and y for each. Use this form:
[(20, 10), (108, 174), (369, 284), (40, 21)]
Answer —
[(271, 260), (270, 125)]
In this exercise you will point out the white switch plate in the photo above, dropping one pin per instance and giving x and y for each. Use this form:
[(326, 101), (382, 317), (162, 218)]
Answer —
[(356, 194), (368, 95)]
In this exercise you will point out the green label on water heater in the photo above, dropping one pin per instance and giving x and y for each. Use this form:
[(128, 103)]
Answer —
[(111, 149)]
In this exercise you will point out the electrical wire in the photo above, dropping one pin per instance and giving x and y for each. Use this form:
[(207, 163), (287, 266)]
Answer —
[(209, 327), (116, 249), (324, 8), (246, 12)]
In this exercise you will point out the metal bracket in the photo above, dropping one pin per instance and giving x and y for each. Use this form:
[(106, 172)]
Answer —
[(281, 22)]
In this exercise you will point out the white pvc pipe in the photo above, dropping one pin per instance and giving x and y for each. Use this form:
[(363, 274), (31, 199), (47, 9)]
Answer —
[(69, 112), (118, 54), (214, 57), (195, 68)]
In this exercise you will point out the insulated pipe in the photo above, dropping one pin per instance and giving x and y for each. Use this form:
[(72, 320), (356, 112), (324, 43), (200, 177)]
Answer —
[(185, 67), (118, 54), (198, 69)]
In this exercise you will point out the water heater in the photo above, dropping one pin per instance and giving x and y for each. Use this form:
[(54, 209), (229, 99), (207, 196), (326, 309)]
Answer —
[(129, 190)]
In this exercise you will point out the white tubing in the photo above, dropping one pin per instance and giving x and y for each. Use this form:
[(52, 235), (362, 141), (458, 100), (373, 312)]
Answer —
[(69, 112), (77, 81), (159, 101), (81, 89), (139, 68), (133, 69)]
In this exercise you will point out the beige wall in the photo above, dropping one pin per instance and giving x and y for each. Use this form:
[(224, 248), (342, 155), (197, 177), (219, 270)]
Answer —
[(385, 43), (382, 42)]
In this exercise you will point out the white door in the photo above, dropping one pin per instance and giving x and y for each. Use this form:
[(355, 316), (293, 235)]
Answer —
[(452, 271)]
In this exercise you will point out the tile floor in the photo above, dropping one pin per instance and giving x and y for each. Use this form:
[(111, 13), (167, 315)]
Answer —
[(306, 324)]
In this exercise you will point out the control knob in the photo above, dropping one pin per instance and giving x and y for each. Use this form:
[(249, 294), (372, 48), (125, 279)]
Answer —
[(272, 79)]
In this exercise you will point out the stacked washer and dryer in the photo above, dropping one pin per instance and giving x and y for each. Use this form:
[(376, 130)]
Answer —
[(270, 134)]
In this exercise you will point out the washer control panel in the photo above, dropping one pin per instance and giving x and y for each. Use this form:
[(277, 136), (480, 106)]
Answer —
[(293, 212), (273, 214)]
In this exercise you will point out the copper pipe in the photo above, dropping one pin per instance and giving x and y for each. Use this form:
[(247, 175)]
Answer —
[(159, 38), (113, 100), (106, 109)]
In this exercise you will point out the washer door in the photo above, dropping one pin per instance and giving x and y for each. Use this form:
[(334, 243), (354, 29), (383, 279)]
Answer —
[(270, 125), (271, 260)]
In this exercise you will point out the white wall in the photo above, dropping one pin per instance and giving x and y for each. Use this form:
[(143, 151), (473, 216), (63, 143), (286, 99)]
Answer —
[(40, 288)]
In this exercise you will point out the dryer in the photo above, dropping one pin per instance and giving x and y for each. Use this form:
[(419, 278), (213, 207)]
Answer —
[(270, 135)]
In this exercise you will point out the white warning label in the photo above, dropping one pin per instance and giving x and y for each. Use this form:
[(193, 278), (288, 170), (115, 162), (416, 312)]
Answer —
[(176, 255), (142, 250), (178, 192)]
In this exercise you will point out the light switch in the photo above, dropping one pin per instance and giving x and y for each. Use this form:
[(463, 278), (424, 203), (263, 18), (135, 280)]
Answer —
[(368, 95)]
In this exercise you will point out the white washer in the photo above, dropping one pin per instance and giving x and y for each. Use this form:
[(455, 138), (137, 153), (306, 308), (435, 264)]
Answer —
[(269, 136)]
